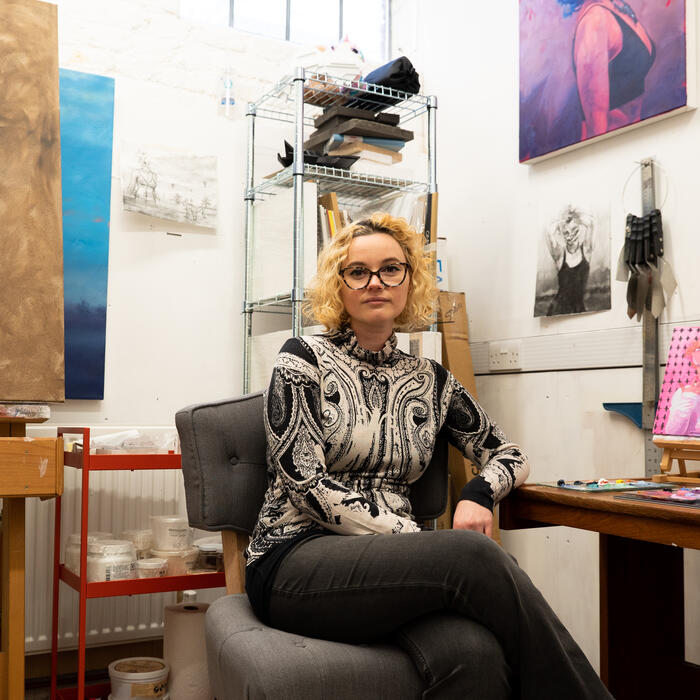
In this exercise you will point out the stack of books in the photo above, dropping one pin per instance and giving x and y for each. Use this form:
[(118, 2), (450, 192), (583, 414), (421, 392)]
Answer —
[(386, 151), (330, 218), (346, 131)]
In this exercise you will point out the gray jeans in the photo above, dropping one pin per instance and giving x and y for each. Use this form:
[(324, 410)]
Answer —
[(372, 587)]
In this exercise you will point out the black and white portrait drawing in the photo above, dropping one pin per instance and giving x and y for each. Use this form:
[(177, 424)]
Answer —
[(573, 268), (169, 185)]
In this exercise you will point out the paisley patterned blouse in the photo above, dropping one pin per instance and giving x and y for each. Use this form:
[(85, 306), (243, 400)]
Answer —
[(348, 431)]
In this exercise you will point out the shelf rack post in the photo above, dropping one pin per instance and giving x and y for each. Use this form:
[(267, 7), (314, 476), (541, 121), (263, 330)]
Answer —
[(432, 144), (432, 167), (298, 184), (248, 274)]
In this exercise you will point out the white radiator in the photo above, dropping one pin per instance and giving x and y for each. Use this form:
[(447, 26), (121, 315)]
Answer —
[(119, 500)]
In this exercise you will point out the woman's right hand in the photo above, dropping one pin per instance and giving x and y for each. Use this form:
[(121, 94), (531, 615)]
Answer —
[(471, 516)]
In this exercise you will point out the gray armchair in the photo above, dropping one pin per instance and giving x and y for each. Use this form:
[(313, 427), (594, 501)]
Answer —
[(223, 463)]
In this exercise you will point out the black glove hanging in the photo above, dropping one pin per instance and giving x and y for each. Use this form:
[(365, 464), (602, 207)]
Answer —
[(641, 264)]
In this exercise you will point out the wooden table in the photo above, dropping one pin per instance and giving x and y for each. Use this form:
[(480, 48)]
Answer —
[(642, 643), (28, 467)]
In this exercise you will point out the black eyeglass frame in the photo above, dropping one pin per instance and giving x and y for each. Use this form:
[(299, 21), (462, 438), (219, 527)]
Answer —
[(406, 268)]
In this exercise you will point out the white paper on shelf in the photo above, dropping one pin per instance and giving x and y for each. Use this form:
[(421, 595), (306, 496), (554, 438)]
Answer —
[(424, 344)]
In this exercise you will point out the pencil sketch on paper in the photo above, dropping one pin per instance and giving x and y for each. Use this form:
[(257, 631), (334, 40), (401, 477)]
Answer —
[(169, 184), (573, 269)]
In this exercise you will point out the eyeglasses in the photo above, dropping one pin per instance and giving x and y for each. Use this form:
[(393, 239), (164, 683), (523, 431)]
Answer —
[(359, 277)]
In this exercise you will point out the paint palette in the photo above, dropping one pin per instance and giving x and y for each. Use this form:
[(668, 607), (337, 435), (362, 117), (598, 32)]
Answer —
[(603, 485), (673, 496), (689, 498)]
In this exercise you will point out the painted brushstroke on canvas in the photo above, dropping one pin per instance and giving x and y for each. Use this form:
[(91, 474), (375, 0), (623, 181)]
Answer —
[(169, 184), (573, 269), (678, 410), (31, 266), (589, 68), (87, 116)]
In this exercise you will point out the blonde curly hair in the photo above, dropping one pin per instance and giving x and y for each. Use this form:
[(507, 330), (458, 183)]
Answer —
[(323, 301)]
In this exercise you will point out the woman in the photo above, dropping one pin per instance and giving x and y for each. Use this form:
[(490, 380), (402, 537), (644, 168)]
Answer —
[(351, 422), (684, 411), (612, 54), (570, 243)]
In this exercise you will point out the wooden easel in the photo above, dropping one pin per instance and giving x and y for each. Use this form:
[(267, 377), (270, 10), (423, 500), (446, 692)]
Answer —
[(680, 449)]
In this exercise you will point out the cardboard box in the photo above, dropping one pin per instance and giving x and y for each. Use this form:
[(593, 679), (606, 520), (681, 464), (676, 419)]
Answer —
[(453, 322), (457, 357)]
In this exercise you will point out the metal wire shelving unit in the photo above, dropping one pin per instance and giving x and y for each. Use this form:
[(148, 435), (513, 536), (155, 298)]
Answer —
[(296, 99)]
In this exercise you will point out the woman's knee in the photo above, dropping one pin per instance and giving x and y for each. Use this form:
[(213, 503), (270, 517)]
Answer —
[(477, 546)]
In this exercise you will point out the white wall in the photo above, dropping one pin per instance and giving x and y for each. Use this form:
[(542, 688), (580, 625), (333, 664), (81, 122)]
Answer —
[(174, 323), (491, 210)]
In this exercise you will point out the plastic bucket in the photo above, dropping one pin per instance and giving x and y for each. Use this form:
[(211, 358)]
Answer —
[(139, 677)]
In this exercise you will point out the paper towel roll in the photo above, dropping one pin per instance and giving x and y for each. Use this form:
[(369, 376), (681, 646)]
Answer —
[(184, 648)]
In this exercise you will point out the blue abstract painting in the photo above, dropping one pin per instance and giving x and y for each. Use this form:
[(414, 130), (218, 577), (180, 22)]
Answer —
[(87, 118)]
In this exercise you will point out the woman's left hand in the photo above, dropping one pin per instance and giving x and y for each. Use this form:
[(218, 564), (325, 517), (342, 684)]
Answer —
[(472, 516)]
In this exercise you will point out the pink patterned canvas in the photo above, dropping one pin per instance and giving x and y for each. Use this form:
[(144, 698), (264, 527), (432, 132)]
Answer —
[(678, 410)]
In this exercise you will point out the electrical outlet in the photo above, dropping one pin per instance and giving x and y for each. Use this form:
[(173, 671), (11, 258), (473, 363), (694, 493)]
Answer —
[(504, 356)]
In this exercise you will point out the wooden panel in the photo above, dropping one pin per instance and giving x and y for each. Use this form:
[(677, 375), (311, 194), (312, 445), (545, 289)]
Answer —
[(31, 467), (13, 598), (31, 264), (24, 413)]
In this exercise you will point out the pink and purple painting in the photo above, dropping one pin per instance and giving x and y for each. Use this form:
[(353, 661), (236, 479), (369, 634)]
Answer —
[(678, 410), (593, 68)]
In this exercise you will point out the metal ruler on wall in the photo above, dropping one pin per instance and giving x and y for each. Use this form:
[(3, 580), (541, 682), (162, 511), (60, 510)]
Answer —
[(650, 347)]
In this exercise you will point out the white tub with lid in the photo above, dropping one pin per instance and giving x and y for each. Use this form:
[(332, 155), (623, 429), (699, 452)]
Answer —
[(151, 568), (180, 561), (111, 560), (170, 532), (142, 539), (139, 677), (71, 556)]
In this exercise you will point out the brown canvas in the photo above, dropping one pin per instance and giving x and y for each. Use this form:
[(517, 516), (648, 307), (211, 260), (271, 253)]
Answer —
[(31, 258)]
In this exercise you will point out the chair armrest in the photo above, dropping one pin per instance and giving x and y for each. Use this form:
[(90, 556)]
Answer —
[(234, 561)]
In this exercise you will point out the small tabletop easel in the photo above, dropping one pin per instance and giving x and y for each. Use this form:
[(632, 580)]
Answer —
[(680, 449)]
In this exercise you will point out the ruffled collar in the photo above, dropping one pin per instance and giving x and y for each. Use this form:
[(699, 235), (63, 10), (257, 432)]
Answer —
[(348, 341)]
